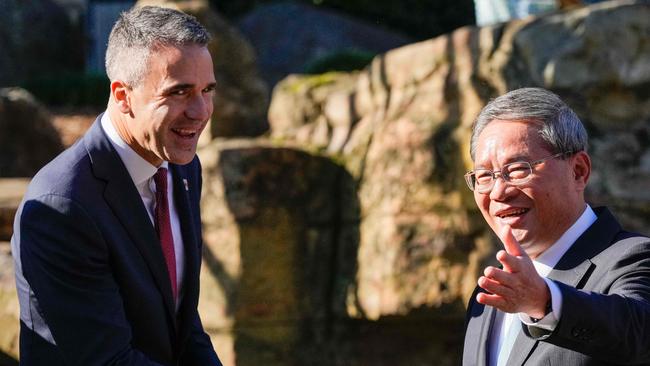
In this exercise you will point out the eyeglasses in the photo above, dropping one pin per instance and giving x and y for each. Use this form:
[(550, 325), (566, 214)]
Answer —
[(519, 172)]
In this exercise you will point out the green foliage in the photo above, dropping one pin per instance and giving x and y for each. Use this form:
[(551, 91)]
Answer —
[(343, 60), (314, 81), (70, 89), (420, 19)]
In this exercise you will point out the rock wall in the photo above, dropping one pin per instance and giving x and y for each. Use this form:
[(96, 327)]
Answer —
[(402, 131), (282, 228)]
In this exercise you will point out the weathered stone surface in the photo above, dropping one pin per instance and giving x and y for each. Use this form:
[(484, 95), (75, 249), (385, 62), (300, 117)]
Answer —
[(32, 35), (422, 242), (279, 225), (282, 229), (289, 35), (9, 308), (12, 191), (298, 106), (242, 97), (27, 138)]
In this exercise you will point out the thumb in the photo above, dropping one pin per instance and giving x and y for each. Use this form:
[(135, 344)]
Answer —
[(510, 244)]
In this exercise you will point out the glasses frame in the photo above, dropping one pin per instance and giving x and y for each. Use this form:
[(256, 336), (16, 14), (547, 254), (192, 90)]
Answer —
[(494, 173)]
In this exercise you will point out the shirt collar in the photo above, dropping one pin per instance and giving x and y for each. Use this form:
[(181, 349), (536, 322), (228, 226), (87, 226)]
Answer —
[(545, 262), (139, 169)]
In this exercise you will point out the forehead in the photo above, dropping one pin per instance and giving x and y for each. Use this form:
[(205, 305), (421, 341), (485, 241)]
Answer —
[(190, 64), (504, 140)]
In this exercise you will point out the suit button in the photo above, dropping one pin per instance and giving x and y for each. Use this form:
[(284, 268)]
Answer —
[(578, 332)]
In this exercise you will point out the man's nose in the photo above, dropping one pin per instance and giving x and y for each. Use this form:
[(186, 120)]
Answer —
[(499, 188), (199, 107)]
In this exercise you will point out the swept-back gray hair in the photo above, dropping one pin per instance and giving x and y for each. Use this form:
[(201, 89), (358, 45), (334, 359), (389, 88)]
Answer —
[(140, 30), (558, 125)]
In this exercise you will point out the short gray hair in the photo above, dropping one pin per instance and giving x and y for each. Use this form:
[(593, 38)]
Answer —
[(559, 126), (140, 30)]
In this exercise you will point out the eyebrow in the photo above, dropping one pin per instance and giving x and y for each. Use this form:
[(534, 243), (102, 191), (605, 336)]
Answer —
[(186, 86), (176, 87), (512, 159)]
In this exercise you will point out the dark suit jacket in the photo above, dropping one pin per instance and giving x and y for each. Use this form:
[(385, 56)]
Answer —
[(91, 256), (604, 279)]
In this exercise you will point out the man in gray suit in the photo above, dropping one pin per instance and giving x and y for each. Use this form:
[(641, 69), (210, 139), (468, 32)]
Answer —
[(573, 287)]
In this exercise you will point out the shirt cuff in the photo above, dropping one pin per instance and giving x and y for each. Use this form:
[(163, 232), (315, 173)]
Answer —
[(549, 322)]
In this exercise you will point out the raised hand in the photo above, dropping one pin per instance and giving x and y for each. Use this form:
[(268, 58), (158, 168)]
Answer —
[(517, 288)]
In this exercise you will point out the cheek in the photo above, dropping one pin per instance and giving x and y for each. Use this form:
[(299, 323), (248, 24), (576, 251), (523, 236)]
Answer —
[(483, 203)]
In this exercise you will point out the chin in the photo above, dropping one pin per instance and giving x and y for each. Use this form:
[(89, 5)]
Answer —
[(182, 159)]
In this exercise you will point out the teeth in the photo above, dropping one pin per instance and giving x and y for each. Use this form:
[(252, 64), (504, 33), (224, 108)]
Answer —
[(513, 213), (184, 131)]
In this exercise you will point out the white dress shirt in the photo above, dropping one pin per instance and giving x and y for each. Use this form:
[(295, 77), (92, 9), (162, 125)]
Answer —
[(544, 263), (142, 172)]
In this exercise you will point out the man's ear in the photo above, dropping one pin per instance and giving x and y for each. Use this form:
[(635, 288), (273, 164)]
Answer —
[(581, 169), (121, 95)]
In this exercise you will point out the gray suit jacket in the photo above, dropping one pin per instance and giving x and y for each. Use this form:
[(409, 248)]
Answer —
[(605, 283)]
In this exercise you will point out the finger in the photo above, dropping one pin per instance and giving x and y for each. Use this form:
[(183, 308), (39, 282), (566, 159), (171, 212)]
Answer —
[(510, 263), (493, 300), (499, 275), (495, 287), (510, 244)]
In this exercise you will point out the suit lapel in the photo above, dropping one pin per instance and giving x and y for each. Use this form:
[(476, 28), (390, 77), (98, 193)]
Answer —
[(479, 326), (126, 203), (573, 269), (486, 329), (184, 206)]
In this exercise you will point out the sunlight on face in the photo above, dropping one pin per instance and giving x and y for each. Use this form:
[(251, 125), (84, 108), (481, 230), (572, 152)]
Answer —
[(540, 210), (173, 104)]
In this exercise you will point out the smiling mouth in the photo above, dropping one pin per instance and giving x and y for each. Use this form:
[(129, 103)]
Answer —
[(512, 213), (185, 132)]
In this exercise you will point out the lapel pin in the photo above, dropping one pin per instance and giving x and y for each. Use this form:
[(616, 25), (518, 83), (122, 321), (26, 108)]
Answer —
[(187, 188)]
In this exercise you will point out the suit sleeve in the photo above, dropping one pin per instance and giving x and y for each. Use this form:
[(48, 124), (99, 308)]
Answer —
[(66, 263), (199, 351), (611, 325)]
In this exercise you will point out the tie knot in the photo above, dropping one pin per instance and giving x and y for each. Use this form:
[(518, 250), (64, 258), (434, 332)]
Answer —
[(160, 179)]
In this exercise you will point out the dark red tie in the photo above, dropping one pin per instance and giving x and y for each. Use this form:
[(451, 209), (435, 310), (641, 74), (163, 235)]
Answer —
[(164, 227)]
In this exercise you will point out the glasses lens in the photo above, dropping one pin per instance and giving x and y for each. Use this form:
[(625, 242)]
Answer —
[(469, 179), (517, 172), (483, 179)]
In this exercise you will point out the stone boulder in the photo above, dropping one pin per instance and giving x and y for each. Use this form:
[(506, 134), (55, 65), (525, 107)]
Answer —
[(299, 109), (405, 128), (28, 139), (242, 97), (32, 37), (280, 227), (287, 36), (279, 282)]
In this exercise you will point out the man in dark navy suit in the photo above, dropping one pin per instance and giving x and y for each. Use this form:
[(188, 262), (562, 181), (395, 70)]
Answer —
[(107, 240)]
